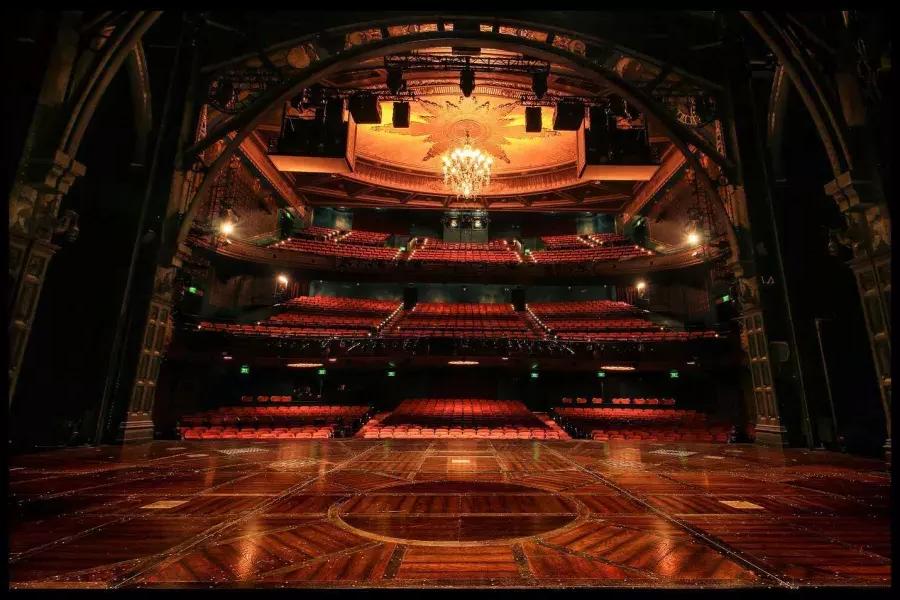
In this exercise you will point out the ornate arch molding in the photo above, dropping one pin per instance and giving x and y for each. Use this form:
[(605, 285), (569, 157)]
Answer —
[(236, 129), (809, 84), (778, 103)]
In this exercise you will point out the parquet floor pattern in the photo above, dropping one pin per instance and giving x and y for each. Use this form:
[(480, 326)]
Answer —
[(446, 513)]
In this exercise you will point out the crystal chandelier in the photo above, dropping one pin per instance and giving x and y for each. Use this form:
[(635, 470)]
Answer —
[(467, 170)]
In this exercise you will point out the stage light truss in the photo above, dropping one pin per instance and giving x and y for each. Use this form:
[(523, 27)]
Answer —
[(480, 64)]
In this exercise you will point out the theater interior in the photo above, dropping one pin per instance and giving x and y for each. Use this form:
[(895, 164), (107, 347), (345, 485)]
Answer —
[(311, 299)]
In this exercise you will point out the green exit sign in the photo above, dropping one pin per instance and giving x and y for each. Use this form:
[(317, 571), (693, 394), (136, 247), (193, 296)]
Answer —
[(245, 369), (392, 373), (601, 374), (534, 375), (322, 371), (192, 289), (673, 374)]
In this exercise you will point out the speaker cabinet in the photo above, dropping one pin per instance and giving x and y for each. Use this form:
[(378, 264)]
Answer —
[(366, 109), (401, 115), (322, 145), (410, 297), (518, 299), (532, 119), (568, 116)]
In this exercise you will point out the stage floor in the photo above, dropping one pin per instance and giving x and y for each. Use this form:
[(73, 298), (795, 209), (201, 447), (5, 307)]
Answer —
[(447, 513)]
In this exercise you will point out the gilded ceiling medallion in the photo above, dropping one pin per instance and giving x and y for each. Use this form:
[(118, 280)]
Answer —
[(440, 123)]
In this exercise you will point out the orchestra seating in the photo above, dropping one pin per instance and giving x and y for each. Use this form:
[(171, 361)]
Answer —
[(494, 252), (317, 316), (318, 233), (263, 422), (364, 238), (465, 418), (332, 248), (645, 423), (449, 320), (605, 321), (561, 242)]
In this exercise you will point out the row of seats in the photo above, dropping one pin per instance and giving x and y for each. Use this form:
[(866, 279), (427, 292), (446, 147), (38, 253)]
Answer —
[(711, 434), (561, 242), (364, 238), (463, 308), (594, 309), (249, 399), (281, 331), (462, 433), (637, 336), (330, 248), (573, 255), (509, 257), (314, 231), (323, 320), (579, 324), (637, 401), (282, 416), (256, 433), (334, 304)]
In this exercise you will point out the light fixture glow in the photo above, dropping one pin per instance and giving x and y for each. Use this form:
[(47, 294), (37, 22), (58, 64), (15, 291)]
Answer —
[(227, 228), (462, 362), (617, 368), (467, 170), (641, 285), (302, 365), (693, 238), (282, 279)]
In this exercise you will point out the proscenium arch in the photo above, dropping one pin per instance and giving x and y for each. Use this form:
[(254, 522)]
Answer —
[(247, 121)]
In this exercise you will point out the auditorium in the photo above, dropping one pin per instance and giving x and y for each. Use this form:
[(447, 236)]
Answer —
[(431, 299)]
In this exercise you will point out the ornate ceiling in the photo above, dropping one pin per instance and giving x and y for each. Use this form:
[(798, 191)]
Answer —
[(402, 166)]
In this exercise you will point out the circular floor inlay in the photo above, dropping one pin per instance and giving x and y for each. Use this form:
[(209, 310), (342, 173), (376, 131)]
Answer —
[(457, 511)]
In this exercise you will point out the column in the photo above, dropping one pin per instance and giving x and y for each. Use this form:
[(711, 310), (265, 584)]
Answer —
[(137, 426), (33, 221), (868, 236)]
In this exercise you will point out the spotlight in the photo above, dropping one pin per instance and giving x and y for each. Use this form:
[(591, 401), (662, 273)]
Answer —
[(395, 81), (641, 285), (539, 84), (467, 81), (282, 279), (693, 238), (227, 228)]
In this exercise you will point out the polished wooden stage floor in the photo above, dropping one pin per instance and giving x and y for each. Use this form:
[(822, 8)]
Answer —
[(467, 513)]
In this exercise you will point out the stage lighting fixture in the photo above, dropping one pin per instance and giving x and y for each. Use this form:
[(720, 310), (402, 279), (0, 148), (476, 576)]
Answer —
[(539, 84), (693, 238), (533, 119), (462, 362), (227, 228), (467, 81), (400, 116), (641, 286), (302, 365), (282, 279), (395, 81), (617, 368)]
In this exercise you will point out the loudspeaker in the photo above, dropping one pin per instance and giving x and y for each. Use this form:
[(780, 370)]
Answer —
[(567, 116), (366, 109), (533, 119), (401, 115), (518, 299), (598, 139), (410, 297)]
